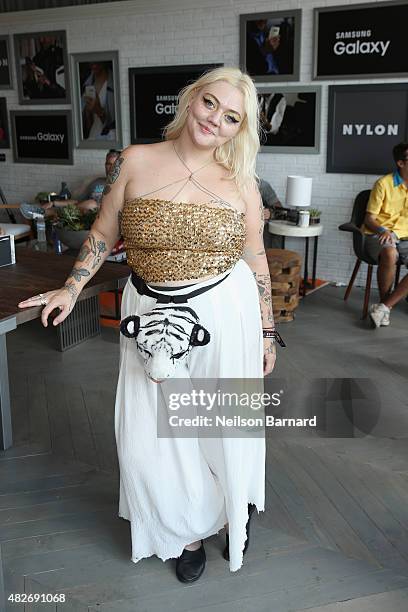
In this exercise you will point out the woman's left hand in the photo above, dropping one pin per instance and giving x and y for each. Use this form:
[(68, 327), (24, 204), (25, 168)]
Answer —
[(269, 356)]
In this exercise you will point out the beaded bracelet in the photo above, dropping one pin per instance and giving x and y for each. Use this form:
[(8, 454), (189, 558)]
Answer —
[(273, 335)]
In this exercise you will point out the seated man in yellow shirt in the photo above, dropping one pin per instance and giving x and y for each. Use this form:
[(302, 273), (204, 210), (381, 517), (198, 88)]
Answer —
[(386, 226)]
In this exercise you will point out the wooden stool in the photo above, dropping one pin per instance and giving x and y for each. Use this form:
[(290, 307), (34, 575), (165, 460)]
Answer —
[(284, 268)]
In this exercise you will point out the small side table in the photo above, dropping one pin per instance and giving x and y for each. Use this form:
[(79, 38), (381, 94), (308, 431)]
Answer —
[(285, 229)]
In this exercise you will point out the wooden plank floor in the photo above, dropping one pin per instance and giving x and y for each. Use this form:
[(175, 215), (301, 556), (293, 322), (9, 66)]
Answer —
[(334, 536)]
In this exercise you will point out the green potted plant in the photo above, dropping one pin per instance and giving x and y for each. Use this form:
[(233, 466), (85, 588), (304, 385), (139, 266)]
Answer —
[(73, 225), (314, 216), (42, 196)]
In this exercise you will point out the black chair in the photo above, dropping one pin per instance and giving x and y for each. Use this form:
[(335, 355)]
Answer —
[(354, 226)]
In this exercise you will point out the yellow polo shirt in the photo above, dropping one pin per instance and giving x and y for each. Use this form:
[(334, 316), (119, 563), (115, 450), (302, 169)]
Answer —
[(389, 203)]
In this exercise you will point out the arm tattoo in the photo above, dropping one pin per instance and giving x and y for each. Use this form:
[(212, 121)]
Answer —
[(97, 247), (84, 252), (263, 282), (78, 273), (249, 255), (73, 292), (261, 216), (113, 175)]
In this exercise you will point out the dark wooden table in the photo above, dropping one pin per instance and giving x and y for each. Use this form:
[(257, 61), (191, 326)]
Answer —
[(36, 272)]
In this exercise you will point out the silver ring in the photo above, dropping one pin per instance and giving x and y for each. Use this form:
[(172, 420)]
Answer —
[(43, 302), (41, 296)]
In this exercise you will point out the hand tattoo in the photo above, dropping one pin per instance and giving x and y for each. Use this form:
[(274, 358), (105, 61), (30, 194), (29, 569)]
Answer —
[(73, 292), (270, 350)]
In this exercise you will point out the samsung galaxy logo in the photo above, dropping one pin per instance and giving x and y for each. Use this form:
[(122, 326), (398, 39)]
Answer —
[(365, 48), (49, 137), (354, 34), (367, 129), (165, 109)]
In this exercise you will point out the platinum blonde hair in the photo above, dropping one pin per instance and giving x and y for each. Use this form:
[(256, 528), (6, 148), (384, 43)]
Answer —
[(238, 155)]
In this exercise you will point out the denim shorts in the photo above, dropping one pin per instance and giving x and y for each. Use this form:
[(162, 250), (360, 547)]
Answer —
[(373, 247)]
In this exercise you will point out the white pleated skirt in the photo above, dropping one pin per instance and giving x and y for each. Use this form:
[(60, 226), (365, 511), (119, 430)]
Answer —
[(175, 491)]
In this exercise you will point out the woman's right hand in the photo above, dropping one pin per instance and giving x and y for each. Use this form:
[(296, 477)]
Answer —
[(62, 299)]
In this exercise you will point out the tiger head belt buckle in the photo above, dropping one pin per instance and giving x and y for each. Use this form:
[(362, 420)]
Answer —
[(164, 338)]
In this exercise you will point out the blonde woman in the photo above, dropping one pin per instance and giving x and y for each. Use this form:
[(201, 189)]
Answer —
[(192, 219)]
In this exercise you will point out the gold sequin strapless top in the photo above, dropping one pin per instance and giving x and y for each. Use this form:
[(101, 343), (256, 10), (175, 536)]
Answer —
[(173, 241)]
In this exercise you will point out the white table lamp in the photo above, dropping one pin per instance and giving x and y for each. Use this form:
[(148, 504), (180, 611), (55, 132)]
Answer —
[(298, 191)]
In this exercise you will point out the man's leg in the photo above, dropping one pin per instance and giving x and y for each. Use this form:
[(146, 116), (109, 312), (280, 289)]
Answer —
[(387, 259), (400, 292), (386, 271), (380, 313)]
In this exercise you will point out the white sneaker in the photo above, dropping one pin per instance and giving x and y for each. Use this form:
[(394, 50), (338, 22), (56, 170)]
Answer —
[(386, 318), (380, 315)]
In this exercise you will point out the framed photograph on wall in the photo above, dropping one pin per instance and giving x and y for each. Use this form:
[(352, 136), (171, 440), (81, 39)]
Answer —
[(4, 129), (42, 137), (290, 119), (153, 96), (42, 67), (5, 67), (270, 45), (364, 124), (360, 41), (97, 100)]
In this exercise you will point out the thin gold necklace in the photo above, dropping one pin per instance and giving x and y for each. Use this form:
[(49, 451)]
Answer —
[(185, 165)]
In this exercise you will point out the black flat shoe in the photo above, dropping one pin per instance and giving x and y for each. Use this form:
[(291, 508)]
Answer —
[(225, 554), (191, 564)]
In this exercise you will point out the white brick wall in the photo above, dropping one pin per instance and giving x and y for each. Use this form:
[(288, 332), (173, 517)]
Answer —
[(165, 32)]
